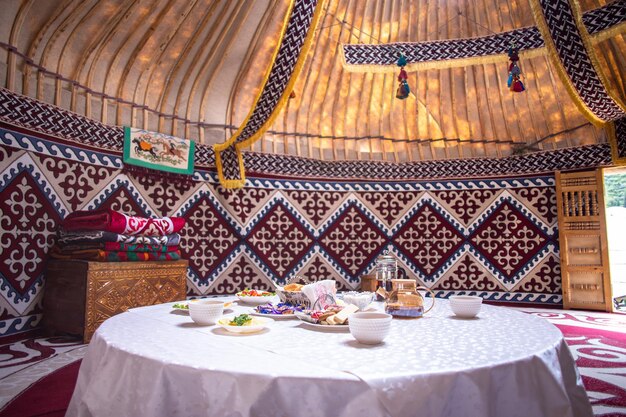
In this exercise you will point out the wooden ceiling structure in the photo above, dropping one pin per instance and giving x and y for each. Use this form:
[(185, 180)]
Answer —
[(193, 68)]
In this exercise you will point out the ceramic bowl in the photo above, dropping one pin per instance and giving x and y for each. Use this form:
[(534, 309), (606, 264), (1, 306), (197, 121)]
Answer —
[(359, 299), (206, 312), (465, 306), (369, 328)]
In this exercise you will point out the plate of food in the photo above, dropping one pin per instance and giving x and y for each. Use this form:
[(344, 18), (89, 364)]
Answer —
[(333, 318), (181, 307), (327, 327), (244, 323), (279, 311), (255, 296)]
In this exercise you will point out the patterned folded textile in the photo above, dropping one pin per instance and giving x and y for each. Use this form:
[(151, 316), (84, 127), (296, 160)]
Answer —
[(113, 221), (116, 246), (71, 238), (114, 256)]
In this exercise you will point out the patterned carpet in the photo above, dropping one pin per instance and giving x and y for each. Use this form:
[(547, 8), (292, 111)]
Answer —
[(29, 362)]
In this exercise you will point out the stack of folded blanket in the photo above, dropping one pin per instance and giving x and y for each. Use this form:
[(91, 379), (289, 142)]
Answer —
[(110, 236)]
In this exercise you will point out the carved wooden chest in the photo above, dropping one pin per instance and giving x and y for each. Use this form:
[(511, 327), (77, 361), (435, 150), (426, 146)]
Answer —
[(80, 295)]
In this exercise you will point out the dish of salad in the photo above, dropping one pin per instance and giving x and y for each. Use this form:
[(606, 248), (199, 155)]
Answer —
[(255, 296)]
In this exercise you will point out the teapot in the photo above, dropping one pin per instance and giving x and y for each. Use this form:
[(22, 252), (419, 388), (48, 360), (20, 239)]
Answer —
[(404, 300)]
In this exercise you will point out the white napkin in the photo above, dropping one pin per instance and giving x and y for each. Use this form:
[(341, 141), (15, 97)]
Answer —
[(321, 294)]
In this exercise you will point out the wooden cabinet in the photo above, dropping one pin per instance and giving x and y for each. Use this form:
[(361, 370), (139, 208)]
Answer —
[(80, 295)]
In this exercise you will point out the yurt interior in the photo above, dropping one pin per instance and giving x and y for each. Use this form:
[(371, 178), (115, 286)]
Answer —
[(327, 208)]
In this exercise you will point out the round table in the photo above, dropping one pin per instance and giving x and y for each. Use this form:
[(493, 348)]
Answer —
[(154, 361)]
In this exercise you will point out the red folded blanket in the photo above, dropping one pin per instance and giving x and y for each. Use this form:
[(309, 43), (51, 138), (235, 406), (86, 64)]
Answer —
[(117, 246), (113, 221)]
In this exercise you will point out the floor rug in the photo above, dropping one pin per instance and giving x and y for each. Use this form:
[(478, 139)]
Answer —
[(48, 397)]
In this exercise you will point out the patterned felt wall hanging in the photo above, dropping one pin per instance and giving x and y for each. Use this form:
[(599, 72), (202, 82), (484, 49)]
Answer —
[(296, 37), (54, 162), (158, 151), (601, 23)]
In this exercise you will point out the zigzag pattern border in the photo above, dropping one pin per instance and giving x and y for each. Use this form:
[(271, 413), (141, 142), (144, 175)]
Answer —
[(416, 186), (19, 324), (416, 52), (589, 156), (270, 169), (507, 297), (30, 143)]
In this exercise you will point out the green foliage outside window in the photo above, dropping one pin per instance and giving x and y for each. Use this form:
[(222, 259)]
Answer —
[(615, 189)]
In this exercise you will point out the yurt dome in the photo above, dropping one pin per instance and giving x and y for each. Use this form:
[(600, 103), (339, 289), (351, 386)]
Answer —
[(432, 191), (193, 69)]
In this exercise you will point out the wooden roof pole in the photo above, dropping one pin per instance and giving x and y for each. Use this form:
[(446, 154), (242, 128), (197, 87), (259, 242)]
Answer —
[(116, 55), (14, 36), (242, 15), (203, 68), (132, 60), (35, 43), (173, 71), (154, 63)]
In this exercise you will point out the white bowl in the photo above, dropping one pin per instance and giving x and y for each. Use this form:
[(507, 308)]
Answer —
[(258, 323), (369, 328), (465, 306), (359, 299), (206, 312)]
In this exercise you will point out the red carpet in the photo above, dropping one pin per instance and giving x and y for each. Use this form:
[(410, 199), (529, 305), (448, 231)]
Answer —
[(601, 359), (49, 396)]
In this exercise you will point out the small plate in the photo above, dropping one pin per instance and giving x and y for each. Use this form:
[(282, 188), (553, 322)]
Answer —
[(186, 310), (329, 327), (259, 323)]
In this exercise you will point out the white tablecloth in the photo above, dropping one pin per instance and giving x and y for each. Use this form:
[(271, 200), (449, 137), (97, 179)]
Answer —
[(154, 361)]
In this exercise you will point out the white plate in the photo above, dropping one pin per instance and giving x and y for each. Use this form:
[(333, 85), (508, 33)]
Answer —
[(226, 305), (256, 300), (259, 324), (329, 327), (273, 316)]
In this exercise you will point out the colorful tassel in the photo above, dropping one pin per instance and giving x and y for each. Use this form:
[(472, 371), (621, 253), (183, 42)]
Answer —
[(403, 90), (514, 82)]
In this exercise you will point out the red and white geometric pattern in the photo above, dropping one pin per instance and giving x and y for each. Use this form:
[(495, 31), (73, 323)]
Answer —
[(438, 224), (494, 236)]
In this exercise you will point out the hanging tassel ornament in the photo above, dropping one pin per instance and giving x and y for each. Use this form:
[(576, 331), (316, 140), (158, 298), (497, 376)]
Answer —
[(403, 90), (514, 82)]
